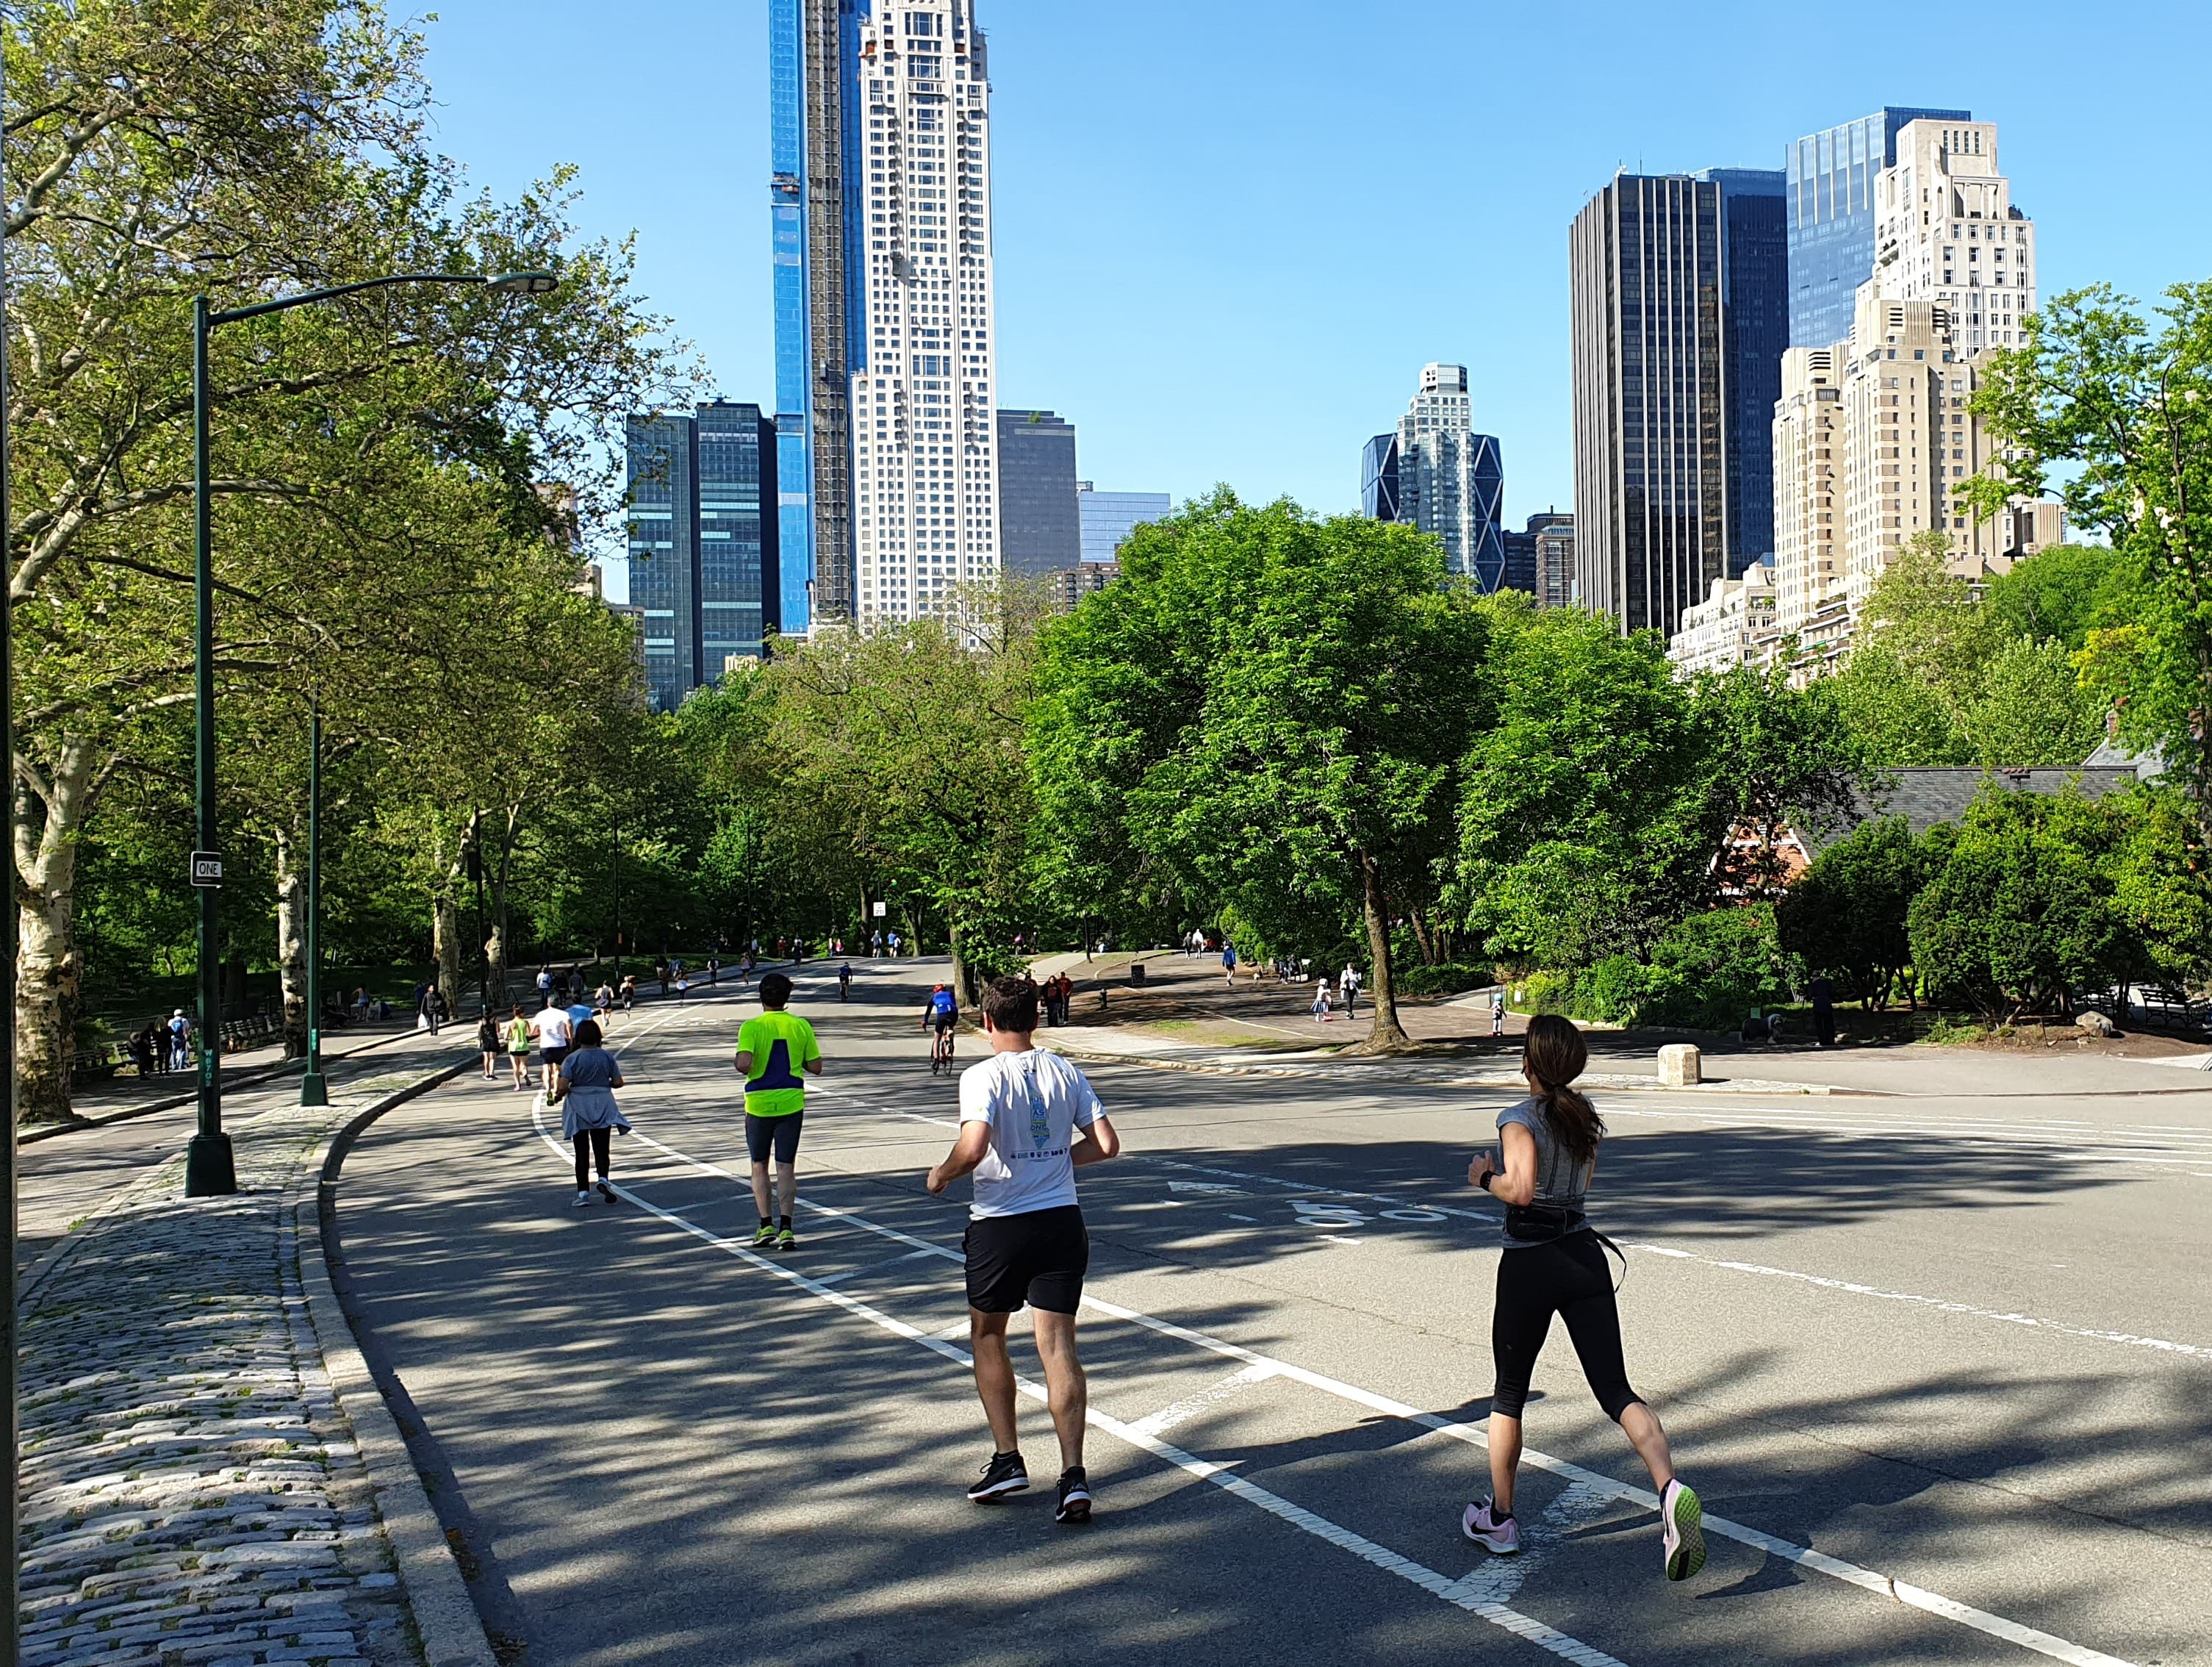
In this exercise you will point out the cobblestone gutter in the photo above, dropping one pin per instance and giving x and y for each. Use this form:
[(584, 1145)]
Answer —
[(194, 1493)]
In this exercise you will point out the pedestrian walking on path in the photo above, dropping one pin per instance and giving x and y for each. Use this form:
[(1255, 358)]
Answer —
[(487, 1045), (1321, 1002), (518, 1047), (1497, 1012), (1348, 985), (1229, 965), (552, 1029), (1824, 1011), (1554, 1263), (772, 1048), (1028, 1119), (584, 1085)]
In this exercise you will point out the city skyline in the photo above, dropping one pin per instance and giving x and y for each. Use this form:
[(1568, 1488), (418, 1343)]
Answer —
[(1130, 335)]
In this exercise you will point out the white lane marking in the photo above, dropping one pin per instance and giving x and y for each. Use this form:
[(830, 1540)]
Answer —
[(1939, 1305), (1428, 1580), (1189, 1406), (1981, 1620)]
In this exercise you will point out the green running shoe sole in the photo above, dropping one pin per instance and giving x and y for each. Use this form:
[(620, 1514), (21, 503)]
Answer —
[(1689, 1554)]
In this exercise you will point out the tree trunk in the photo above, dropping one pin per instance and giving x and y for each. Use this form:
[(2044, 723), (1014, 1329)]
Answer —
[(964, 989), (291, 943), (1422, 938), (495, 969), (445, 946), (1387, 1035), (47, 998)]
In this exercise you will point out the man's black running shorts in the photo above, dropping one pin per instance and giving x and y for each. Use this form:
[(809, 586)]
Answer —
[(1038, 1258)]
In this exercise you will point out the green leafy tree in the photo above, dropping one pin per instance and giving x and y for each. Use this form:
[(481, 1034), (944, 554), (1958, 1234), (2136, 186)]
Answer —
[(2021, 915), (2122, 410), (1846, 916), (1275, 707)]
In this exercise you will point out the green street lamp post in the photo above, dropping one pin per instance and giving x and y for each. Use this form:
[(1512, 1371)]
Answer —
[(208, 1169), (313, 1091)]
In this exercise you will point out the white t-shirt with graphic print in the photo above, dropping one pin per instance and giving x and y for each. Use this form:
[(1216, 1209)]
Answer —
[(1034, 1102)]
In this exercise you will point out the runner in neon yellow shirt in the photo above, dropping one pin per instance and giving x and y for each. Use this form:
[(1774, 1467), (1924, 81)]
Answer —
[(773, 1050)]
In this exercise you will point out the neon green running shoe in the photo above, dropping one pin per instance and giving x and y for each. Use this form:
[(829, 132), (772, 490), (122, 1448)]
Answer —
[(1681, 1522), (764, 1239)]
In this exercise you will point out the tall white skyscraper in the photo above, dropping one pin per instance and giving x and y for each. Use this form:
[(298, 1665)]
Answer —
[(925, 451), (1946, 231), (1450, 480)]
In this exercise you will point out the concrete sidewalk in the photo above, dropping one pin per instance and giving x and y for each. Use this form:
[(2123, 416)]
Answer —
[(194, 1488), (1110, 1044)]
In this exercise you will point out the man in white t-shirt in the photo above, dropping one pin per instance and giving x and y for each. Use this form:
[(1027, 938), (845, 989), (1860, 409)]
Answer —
[(551, 1028), (1028, 1120)]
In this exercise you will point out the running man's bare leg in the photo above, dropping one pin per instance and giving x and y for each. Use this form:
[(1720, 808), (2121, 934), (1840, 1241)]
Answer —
[(1505, 1459), (1067, 1391), (760, 1190), (1641, 1426), (995, 1376), (786, 1187)]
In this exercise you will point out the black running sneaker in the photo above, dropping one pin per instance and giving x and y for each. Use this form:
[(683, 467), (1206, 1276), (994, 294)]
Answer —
[(1074, 1497), (1005, 1474), (607, 1191)]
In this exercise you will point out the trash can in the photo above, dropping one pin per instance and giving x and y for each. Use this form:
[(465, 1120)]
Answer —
[(1136, 972)]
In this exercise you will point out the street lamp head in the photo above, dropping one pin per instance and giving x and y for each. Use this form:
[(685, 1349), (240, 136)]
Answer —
[(524, 283)]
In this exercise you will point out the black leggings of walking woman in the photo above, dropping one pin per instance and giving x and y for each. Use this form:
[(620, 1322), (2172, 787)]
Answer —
[(1554, 1263)]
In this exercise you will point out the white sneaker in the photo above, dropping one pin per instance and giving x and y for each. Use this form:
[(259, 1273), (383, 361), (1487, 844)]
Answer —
[(582, 1199), (1681, 1530), (1484, 1525)]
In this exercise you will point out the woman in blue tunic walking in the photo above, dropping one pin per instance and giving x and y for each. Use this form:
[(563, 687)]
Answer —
[(585, 1088)]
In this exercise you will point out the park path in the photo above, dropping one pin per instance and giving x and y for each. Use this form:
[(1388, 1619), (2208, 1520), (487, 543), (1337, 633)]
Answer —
[(193, 1490)]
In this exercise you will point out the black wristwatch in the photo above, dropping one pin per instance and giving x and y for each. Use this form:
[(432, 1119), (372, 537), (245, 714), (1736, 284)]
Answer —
[(1487, 1178)]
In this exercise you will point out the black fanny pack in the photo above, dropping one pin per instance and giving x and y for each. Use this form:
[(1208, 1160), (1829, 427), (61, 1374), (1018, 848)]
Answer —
[(1541, 1223)]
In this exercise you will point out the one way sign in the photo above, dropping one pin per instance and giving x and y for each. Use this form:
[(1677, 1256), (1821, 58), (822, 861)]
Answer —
[(207, 868)]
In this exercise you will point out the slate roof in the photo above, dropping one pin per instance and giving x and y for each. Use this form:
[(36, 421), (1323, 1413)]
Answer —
[(1926, 794)]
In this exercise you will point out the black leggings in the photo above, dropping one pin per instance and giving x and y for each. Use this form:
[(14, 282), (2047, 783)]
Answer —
[(1569, 1277), (596, 1143)]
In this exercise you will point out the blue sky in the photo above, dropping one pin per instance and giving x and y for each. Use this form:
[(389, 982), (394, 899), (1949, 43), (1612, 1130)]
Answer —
[(1228, 234)]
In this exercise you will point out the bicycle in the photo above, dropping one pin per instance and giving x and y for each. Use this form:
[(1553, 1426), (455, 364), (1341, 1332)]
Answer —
[(940, 1050)]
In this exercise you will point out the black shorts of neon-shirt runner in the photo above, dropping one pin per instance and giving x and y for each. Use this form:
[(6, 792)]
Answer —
[(780, 1132), (1038, 1257)]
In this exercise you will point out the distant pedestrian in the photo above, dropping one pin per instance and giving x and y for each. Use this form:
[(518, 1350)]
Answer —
[(1321, 1002), (487, 1045), (845, 981), (584, 1085), (714, 970), (552, 1028), (1348, 986), (628, 991), (603, 999), (360, 1003), (432, 1009), (1823, 1011), (1228, 964), (682, 988), (141, 1050), (545, 981), (181, 1041), (1497, 1012), (518, 1047)]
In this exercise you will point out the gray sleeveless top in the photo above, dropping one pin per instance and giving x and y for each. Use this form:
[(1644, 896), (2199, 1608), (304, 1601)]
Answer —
[(1560, 1179)]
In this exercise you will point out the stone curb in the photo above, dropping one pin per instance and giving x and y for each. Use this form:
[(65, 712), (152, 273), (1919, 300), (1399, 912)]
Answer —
[(1620, 1084), (445, 1619), (33, 1135)]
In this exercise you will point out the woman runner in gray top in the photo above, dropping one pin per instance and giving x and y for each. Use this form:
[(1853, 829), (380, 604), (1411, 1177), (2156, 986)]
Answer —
[(1552, 1263), (584, 1085)]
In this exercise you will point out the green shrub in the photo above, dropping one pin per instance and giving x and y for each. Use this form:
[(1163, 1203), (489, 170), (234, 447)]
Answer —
[(1546, 992), (1712, 969), (1448, 979)]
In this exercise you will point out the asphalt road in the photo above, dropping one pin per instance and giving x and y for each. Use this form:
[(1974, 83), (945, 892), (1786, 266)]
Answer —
[(1961, 1346)]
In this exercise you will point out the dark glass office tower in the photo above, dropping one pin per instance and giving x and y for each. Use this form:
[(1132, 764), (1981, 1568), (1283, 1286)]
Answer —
[(737, 543), (817, 210), (1829, 205), (1040, 530), (1755, 335), (664, 584), (1378, 478), (1673, 399), (703, 542)]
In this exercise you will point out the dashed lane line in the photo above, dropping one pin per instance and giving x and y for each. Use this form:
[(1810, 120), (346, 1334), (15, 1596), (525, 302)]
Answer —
[(1937, 1304), (1994, 1626), (1474, 1600)]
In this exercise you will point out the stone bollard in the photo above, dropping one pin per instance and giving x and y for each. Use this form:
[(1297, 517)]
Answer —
[(1679, 1066)]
